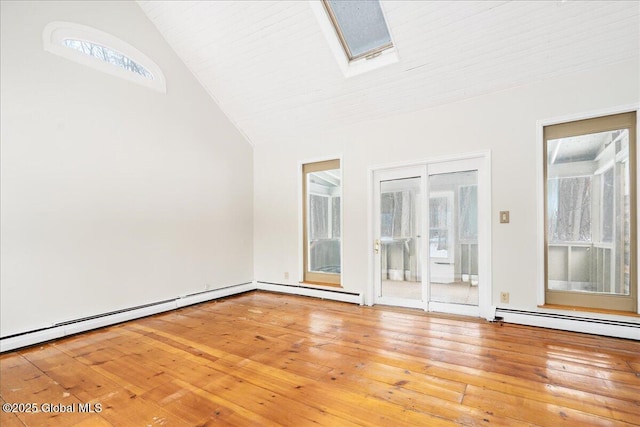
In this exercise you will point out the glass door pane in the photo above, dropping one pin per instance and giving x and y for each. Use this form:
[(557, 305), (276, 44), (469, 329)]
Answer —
[(399, 243), (453, 237)]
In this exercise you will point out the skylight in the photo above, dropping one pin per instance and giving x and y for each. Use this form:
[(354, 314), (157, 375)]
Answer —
[(360, 26)]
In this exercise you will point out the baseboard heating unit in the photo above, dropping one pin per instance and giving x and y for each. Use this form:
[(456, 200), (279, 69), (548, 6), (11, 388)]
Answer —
[(613, 326), (310, 291), (75, 326)]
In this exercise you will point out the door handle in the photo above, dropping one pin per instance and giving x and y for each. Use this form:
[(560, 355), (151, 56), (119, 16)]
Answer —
[(376, 246)]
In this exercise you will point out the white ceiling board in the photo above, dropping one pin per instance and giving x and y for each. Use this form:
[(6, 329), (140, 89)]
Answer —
[(269, 66)]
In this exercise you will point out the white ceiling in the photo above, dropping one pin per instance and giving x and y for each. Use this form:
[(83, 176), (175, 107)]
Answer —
[(270, 68)]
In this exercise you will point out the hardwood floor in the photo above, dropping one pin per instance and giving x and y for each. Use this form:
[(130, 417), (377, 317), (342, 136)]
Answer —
[(270, 359)]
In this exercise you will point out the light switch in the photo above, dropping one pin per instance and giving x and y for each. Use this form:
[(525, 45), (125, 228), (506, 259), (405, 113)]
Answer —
[(504, 217)]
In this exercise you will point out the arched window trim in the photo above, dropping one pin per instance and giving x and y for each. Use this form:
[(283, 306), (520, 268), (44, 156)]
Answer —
[(55, 33)]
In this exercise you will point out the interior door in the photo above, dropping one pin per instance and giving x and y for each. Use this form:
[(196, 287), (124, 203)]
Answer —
[(431, 237), (399, 227), (453, 249)]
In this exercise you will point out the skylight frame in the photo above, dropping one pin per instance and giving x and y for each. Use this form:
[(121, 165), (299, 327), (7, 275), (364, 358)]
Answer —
[(371, 53), (352, 68)]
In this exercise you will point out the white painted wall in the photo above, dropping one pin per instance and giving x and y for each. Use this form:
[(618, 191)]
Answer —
[(503, 122), (113, 195)]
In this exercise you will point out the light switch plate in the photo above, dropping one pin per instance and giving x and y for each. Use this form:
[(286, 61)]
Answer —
[(504, 217)]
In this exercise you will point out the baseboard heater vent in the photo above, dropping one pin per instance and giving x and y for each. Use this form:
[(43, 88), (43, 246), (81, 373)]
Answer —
[(98, 316), (75, 326), (609, 327), (310, 291)]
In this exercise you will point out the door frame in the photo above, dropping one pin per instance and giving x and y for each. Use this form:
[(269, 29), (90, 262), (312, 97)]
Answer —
[(483, 166)]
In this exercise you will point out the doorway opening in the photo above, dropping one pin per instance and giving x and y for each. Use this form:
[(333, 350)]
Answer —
[(431, 228)]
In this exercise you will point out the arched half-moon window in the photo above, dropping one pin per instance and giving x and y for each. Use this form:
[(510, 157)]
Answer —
[(103, 52)]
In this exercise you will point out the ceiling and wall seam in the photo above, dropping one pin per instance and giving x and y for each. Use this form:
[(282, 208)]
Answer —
[(202, 84)]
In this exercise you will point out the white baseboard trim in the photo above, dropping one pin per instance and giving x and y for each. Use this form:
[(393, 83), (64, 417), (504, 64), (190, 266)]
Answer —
[(307, 291), (215, 294), (72, 327), (611, 328)]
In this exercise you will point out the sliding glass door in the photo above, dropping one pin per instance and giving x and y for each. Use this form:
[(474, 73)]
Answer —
[(429, 232), (399, 231), (453, 237)]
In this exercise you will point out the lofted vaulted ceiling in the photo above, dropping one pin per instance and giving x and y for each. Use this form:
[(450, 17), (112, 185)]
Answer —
[(270, 68)]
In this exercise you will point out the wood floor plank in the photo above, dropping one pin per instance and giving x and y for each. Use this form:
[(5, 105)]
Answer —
[(335, 399), (520, 368), (534, 355), (617, 407), (582, 357), (522, 409), (273, 405), (8, 418), (75, 377), (125, 408), (272, 359), (94, 421), (190, 406), (238, 415), (427, 385), (23, 383)]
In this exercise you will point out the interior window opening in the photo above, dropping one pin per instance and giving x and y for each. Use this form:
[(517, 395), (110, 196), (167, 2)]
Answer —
[(103, 52), (590, 213), (322, 186), (108, 55)]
